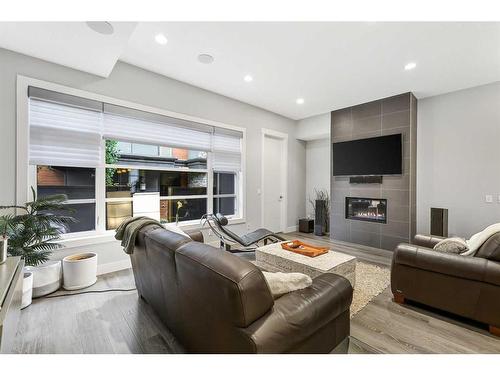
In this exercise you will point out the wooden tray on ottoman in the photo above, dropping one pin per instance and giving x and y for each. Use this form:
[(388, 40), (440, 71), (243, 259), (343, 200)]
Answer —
[(302, 248)]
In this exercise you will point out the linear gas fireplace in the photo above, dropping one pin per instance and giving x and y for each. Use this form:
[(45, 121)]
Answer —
[(366, 209)]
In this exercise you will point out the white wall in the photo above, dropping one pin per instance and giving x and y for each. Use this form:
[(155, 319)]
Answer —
[(317, 169), (315, 127), (458, 158), (140, 86), (315, 131)]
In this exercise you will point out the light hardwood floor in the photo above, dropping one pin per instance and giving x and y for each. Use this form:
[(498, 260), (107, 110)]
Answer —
[(120, 322)]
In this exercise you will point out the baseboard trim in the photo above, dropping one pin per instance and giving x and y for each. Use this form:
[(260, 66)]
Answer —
[(113, 267), (293, 228)]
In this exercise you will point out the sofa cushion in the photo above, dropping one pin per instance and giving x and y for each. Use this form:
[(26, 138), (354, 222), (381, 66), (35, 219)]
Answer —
[(478, 240), (490, 249), (207, 275), (453, 245)]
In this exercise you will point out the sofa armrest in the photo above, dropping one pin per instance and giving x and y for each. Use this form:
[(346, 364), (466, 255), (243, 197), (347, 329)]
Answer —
[(427, 241), (195, 234), (464, 267), (297, 315)]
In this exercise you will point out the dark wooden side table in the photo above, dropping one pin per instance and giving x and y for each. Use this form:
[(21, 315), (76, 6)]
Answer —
[(306, 225), (11, 290)]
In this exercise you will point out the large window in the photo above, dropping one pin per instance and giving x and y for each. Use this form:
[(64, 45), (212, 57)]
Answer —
[(114, 162), (174, 191)]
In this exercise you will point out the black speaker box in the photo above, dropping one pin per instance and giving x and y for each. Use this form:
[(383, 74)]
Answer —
[(439, 222), (365, 180)]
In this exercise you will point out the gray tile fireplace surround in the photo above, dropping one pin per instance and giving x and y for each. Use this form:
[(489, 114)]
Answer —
[(394, 115)]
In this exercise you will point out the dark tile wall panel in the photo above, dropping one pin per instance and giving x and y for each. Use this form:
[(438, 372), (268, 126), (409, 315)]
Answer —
[(392, 115)]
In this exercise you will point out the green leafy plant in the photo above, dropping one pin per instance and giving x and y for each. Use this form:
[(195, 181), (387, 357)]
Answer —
[(32, 233), (112, 156)]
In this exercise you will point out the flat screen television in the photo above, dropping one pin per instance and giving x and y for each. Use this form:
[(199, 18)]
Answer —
[(376, 156)]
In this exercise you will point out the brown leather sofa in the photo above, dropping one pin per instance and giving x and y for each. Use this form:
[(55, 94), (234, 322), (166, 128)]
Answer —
[(463, 285), (216, 302)]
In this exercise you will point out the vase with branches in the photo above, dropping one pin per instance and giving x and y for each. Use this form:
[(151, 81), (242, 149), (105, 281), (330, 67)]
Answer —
[(32, 234), (321, 202)]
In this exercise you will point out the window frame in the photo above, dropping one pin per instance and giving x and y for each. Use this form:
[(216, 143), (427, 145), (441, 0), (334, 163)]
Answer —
[(235, 195), (26, 174)]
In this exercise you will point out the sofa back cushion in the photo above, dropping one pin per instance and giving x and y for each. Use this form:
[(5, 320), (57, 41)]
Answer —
[(490, 249), (209, 274), (219, 294), (153, 263)]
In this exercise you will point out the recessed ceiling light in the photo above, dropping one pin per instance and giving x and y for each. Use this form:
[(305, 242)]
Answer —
[(161, 39), (300, 101), (248, 78), (101, 27), (410, 66), (205, 58)]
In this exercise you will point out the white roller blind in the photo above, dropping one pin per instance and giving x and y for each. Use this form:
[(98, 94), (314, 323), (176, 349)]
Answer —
[(226, 143), (148, 132), (226, 152), (63, 135), (67, 130)]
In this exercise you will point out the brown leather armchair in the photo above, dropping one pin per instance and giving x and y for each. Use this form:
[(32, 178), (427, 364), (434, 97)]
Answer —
[(216, 302), (463, 285)]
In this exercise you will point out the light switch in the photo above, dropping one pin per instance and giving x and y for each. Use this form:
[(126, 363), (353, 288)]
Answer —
[(489, 198)]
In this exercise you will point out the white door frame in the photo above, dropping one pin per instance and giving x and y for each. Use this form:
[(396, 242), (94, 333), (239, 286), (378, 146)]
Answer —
[(284, 162)]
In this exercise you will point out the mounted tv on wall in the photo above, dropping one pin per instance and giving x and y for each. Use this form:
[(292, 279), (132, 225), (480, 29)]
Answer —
[(376, 156)]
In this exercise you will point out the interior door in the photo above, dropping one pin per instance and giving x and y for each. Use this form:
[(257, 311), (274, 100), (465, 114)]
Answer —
[(273, 183)]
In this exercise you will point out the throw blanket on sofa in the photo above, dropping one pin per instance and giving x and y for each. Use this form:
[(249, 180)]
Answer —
[(281, 283), (128, 229), (477, 240)]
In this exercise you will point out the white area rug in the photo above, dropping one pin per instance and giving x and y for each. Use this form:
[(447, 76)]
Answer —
[(371, 280)]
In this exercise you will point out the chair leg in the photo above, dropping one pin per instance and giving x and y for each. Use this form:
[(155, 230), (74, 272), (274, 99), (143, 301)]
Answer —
[(495, 331), (399, 298)]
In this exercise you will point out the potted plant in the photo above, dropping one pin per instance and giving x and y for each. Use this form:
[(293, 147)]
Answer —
[(4, 239), (321, 207), (32, 235)]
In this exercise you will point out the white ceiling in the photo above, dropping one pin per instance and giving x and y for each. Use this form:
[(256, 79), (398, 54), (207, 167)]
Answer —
[(71, 44), (331, 65)]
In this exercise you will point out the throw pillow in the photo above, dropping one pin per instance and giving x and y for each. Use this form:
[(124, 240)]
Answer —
[(176, 229), (477, 240), (453, 245), (281, 283)]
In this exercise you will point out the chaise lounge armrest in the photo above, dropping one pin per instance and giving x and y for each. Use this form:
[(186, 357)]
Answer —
[(427, 241), (296, 315), (464, 267)]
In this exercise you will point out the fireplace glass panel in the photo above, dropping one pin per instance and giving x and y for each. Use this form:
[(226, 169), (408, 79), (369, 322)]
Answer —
[(366, 209)]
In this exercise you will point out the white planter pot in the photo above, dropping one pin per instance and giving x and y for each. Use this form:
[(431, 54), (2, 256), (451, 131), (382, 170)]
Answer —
[(46, 278), (27, 289), (79, 271)]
